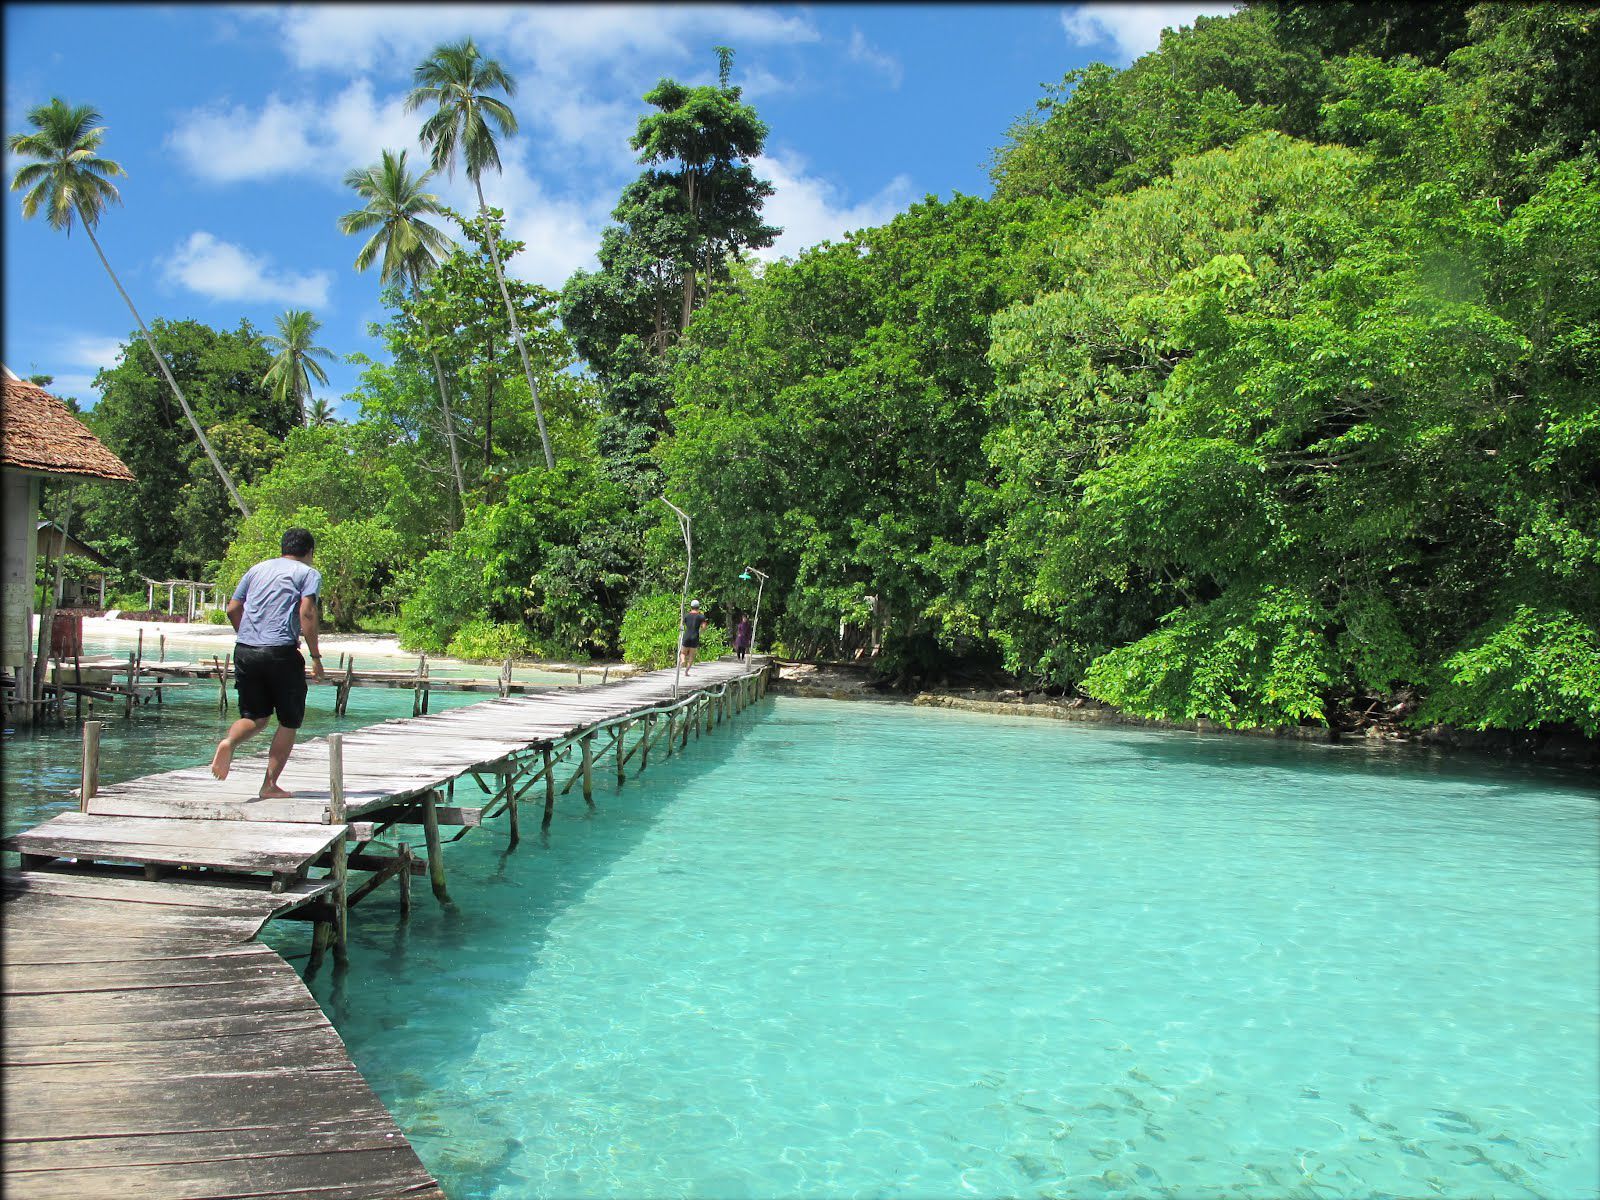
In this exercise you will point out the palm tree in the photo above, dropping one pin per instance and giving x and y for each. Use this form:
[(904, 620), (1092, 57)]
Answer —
[(457, 79), (321, 415), (410, 247), (70, 180), (296, 364)]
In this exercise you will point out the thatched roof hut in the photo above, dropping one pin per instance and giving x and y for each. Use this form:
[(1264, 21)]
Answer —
[(40, 435)]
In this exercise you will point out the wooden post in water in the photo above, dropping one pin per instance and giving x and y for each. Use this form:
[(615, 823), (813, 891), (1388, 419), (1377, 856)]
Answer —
[(588, 768), (430, 830), (622, 737), (426, 689), (138, 663), (163, 647), (508, 777), (405, 879), (91, 763), (644, 750), (341, 692), (505, 679), (339, 871), (549, 786)]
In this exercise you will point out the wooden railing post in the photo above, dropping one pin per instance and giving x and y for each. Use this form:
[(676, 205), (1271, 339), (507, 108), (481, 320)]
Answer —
[(336, 814), (91, 763)]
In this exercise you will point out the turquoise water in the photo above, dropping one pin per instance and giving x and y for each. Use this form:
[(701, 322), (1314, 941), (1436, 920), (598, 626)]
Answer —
[(867, 950), (856, 950)]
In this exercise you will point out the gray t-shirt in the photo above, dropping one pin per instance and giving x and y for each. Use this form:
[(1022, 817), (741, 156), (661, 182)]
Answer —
[(271, 592)]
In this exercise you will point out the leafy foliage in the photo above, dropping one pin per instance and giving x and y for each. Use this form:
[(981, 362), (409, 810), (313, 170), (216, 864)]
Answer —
[(650, 631)]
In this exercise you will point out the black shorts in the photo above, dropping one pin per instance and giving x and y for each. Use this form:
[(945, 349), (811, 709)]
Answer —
[(691, 643), (271, 679)]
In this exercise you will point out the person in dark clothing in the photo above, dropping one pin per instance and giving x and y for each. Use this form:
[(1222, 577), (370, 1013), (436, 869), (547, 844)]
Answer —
[(741, 636), (693, 621), (274, 606)]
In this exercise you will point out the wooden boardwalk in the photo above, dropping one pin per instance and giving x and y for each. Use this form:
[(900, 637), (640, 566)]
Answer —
[(153, 1048)]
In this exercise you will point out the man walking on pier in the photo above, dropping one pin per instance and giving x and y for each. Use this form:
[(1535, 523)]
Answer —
[(692, 622), (274, 603)]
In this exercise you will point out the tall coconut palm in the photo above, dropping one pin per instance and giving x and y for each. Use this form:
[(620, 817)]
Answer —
[(296, 365), (457, 80), (410, 247), (71, 181)]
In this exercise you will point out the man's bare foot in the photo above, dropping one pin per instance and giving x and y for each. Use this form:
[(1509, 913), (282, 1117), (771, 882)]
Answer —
[(271, 791), (222, 759)]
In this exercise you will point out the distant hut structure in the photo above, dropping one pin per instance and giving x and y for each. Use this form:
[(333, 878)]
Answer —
[(40, 439)]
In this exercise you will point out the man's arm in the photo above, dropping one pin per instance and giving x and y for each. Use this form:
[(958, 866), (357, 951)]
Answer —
[(310, 627), (235, 613)]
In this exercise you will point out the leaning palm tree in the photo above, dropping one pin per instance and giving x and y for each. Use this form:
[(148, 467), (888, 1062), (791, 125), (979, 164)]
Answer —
[(457, 79), (296, 365), (320, 415), (69, 181), (397, 206)]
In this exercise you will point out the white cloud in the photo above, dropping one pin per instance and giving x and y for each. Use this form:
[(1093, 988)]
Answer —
[(558, 37), (810, 209), (74, 361), (1132, 29), (862, 51), (231, 145), (220, 270)]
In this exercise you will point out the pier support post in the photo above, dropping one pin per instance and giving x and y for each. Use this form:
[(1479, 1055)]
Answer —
[(622, 737), (549, 786), (405, 879), (430, 831), (588, 769), (91, 763), (508, 778), (649, 732), (336, 813)]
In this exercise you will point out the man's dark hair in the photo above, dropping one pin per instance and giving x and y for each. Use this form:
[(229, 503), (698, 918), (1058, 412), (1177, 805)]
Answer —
[(298, 542)]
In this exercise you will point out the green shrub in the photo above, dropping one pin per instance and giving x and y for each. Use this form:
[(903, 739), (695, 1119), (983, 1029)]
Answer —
[(1251, 658), (486, 641), (216, 616), (650, 632), (443, 593), (1539, 667)]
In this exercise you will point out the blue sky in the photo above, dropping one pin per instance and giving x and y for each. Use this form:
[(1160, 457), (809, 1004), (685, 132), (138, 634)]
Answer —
[(236, 124)]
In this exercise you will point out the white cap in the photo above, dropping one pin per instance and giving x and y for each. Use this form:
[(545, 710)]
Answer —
[(694, 604)]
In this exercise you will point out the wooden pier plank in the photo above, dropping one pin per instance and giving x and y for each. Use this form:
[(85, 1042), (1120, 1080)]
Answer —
[(152, 1048), (207, 1070)]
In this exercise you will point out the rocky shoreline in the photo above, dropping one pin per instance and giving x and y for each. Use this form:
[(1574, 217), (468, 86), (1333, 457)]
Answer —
[(839, 682)]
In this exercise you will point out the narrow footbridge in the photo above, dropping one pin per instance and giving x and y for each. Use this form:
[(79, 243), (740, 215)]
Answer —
[(152, 1047)]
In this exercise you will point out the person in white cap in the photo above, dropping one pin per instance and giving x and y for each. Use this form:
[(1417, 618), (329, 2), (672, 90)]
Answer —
[(692, 622)]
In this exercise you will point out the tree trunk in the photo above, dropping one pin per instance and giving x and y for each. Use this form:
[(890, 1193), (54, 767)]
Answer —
[(688, 267), (444, 406), (222, 472), (488, 409), (516, 330), (449, 430), (688, 296)]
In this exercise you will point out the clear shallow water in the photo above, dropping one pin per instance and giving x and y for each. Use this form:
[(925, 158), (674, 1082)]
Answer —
[(861, 950)]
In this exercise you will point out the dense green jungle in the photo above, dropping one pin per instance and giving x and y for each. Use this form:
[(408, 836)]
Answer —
[(1263, 387)]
